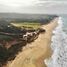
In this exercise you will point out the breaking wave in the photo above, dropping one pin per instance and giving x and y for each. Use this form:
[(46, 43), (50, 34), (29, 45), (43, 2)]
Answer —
[(59, 47)]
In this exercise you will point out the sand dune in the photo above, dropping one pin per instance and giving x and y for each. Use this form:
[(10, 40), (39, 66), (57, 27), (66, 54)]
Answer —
[(33, 54)]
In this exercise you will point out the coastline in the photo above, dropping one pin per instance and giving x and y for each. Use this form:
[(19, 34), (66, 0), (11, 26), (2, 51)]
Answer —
[(33, 54)]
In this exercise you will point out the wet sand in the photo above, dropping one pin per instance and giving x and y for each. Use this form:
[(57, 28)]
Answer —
[(34, 54)]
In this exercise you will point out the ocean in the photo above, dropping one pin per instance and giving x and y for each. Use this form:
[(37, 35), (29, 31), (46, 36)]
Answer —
[(59, 45)]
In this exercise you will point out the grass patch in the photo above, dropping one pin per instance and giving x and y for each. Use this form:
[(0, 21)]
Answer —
[(27, 25)]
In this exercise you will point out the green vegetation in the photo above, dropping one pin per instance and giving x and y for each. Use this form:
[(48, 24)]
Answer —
[(5, 37), (27, 25)]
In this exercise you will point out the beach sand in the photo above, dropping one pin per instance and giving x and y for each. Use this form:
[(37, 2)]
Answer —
[(34, 54)]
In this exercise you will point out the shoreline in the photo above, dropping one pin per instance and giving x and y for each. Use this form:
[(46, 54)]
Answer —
[(33, 54)]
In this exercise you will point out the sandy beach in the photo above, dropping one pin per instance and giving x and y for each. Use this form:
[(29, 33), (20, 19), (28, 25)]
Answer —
[(34, 54)]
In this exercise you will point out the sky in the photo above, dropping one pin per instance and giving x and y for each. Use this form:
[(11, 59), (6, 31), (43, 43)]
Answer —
[(34, 6)]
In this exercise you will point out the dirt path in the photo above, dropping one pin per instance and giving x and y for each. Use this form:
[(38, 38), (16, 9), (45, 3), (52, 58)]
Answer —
[(33, 54)]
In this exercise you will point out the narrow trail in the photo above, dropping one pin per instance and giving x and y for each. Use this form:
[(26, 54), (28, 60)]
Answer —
[(33, 54)]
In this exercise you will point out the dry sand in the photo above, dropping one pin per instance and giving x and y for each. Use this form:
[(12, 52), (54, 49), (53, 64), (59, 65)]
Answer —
[(33, 54)]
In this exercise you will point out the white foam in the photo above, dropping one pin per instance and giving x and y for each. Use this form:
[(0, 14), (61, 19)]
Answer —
[(59, 47)]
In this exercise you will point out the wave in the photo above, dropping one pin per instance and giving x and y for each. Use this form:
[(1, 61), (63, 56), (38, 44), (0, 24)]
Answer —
[(59, 47)]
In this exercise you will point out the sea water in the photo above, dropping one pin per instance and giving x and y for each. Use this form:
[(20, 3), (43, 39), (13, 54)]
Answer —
[(59, 45)]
